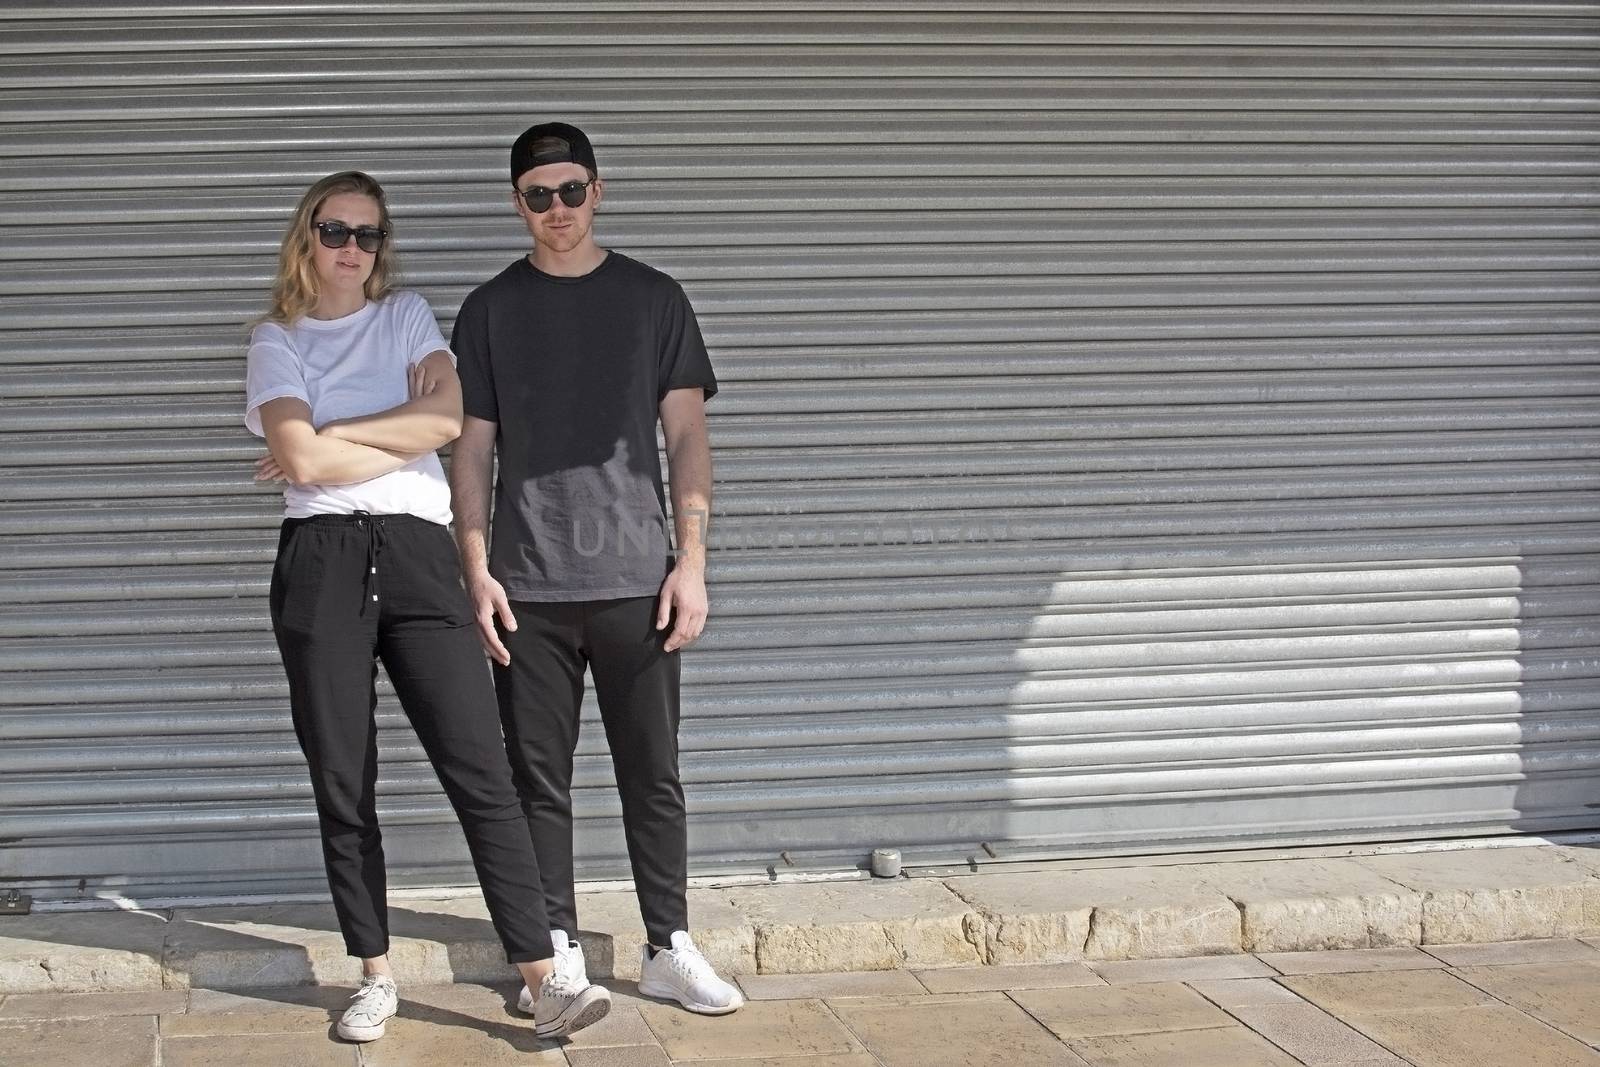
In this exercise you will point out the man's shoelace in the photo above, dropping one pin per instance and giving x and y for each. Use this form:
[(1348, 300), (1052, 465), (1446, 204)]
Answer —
[(689, 963)]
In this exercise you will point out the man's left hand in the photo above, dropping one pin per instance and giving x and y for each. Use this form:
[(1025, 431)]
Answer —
[(683, 601)]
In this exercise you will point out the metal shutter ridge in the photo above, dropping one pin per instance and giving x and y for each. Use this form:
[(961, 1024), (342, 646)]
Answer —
[(1143, 428)]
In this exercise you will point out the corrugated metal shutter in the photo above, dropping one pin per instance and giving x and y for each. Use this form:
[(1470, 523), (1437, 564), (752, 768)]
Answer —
[(1144, 428)]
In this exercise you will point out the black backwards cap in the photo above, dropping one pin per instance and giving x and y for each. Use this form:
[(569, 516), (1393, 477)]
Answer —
[(550, 142)]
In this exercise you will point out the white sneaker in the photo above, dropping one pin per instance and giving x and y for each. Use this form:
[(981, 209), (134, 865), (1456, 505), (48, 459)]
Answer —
[(680, 973), (562, 1008), (376, 1002), (569, 958), (568, 1001), (569, 964)]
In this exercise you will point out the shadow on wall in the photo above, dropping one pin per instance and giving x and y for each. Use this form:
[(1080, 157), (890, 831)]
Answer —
[(1209, 696), (1557, 773)]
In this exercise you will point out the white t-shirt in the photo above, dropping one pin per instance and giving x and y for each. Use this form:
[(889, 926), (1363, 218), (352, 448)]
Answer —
[(346, 367)]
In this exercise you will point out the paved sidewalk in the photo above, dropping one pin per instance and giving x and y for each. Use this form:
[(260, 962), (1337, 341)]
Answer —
[(1046, 914), (1529, 1003)]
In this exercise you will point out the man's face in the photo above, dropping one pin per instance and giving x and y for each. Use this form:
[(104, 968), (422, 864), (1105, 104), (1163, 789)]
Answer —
[(559, 228)]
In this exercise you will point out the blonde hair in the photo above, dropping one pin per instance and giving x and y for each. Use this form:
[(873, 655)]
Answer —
[(294, 293)]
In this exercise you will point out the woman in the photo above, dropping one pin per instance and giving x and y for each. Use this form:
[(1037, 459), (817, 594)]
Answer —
[(353, 387)]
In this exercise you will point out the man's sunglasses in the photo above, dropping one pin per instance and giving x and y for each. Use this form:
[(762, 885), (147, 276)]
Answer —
[(539, 199), (335, 234)]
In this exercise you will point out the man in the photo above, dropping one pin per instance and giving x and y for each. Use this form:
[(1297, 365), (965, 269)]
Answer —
[(567, 360)]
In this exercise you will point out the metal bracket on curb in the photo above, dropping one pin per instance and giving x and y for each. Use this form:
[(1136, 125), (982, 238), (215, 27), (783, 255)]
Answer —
[(15, 903)]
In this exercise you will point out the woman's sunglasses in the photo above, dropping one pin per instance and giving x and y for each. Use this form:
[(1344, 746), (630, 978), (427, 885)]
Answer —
[(572, 194), (335, 234)]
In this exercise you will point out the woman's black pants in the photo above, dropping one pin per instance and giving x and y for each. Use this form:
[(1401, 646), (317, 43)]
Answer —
[(348, 590)]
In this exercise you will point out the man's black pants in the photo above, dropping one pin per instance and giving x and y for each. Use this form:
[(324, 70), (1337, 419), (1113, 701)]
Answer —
[(636, 686), (347, 589)]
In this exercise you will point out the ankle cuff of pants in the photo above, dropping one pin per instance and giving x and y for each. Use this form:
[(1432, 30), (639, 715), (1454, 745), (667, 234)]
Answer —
[(360, 953), (530, 956), (663, 938)]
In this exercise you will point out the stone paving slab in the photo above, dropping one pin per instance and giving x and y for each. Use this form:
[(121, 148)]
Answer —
[(1227, 1046), (1443, 898), (1104, 1011), (1246, 993), (627, 995), (284, 1019), (622, 1026), (858, 926), (1565, 995), (462, 1002), (92, 1005), (82, 953), (302, 1050), (1311, 1035), (125, 1042), (1314, 904), (1110, 914), (1505, 952), (269, 1000), (1023, 918), (1008, 976), (410, 1042), (973, 1029), (1378, 992), (638, 1056), (1586, 857), (848, 1059), (1484, 1035), (1333, 962), (1505, 894), (1186, 969), (762, 1028), (837, 984)]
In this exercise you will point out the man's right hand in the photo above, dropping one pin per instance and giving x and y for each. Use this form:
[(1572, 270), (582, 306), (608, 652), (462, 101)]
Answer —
[(488, 600)]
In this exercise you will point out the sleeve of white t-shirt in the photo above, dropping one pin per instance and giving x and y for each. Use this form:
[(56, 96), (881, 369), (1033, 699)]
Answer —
[(421, 329), (272, 370)]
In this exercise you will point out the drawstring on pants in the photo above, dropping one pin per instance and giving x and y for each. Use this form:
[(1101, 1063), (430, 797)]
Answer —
[(374, 528)]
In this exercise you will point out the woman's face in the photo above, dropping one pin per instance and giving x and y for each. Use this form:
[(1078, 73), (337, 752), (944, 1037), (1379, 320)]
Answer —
[(345, 269)]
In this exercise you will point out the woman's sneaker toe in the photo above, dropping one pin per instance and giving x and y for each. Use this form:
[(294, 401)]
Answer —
[(376, 1002)]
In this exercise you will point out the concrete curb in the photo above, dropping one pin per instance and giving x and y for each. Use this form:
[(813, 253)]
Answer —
[(1047, 916)]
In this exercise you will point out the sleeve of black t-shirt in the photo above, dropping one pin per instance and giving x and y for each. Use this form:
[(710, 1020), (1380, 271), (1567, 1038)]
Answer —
[(684, 362), (469, 340)]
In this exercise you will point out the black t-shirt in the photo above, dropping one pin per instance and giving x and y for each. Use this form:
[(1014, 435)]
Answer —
[(573, 371)]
